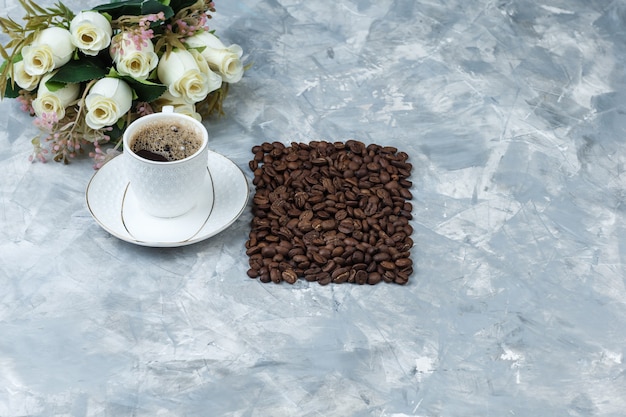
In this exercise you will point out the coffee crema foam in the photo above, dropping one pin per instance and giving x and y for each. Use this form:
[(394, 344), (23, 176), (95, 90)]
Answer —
[(169, 139)]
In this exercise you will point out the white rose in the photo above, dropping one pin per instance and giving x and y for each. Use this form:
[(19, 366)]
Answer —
[(202, 63), (131, 59), (179, 104), (23, 79), (91, 32), (214, 79), (180, 72), (224, 60), (54, 102), (51, 49), (107, 101)]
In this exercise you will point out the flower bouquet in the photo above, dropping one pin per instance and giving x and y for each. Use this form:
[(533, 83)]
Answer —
[(86, 76)]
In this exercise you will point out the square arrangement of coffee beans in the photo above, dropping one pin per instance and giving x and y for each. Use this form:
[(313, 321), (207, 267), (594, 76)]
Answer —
[(330, 212)]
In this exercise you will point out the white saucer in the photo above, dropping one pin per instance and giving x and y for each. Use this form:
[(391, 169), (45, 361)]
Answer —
[(112, 204)]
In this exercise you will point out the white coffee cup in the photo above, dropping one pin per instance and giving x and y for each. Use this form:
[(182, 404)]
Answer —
[(172, 188)]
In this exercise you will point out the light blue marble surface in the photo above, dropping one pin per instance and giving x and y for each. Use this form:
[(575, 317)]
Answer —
[(513, 114)]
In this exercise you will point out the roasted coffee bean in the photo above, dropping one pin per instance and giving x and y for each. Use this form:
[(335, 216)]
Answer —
[(328, 224), (316, 276), (346, 226), (256, 262), (296, 251), (253, 250), (305, 226), (359, 266), (329, 266), (349, 250), (300, 258), (285, 233), (352, 276), (289, 276), (404, 263), (324, 279), (319, 259), (328, 185), (341, 278), (374, 278), (350, 241), (313, 270), (316, 224), (268, 251), (275, 275), (400, 279), (282, 250), (382, 256), (306, 215), (316, 197), (340, 272), (358, 257), (388, 276), (260, 224), (300, 198), (406, 245), (279, 166), (341, 215), (360, 277), (272, 238), (405, 193), (391, 185), (358, 213), (388, 265)]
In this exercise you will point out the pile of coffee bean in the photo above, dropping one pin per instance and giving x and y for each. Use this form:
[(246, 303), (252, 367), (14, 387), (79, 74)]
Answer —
[(330, 212)]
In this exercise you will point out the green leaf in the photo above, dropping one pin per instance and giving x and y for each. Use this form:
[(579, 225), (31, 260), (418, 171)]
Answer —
[(113, 73), (117, 130), (79, 71), (55, 85), (11, 90), (200, 49), (143, 90), (178, 5), (134, 8), (153, 7), (146, 90)]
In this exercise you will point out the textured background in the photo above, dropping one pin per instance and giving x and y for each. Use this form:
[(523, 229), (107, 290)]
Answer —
[(512, 113)]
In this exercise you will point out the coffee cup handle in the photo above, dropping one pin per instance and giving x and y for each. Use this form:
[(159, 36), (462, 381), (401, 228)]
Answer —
[(167, 109)]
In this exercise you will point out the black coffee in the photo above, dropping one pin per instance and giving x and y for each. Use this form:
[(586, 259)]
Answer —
[(151, 156), (166, 139)]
